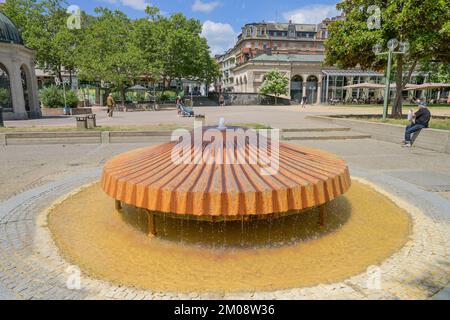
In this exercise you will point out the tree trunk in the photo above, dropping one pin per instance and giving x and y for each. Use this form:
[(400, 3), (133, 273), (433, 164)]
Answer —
[(122, 95), (70, 77), (397, 106), (59, 74)]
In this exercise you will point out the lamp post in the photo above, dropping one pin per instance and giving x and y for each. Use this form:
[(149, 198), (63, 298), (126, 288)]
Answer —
[(377, 49), (64, 83), (1, 117)]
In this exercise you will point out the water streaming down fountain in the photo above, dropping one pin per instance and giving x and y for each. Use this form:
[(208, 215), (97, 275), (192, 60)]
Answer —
[(153, 193)]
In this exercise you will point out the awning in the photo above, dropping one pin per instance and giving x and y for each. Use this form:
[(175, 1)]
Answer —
[(137, 88), (429, 86), (369, 85), (365, 85)]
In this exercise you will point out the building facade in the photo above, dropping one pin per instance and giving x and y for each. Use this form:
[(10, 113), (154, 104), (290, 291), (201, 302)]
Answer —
[(227, 63), (18, 85), (297, 51)]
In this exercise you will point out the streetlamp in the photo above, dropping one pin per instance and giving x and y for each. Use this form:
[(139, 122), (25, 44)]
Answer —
[(64, 83), (1, 117), (392, 45)]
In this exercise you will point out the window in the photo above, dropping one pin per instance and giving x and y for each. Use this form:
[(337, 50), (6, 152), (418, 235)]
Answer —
[(291, 31)]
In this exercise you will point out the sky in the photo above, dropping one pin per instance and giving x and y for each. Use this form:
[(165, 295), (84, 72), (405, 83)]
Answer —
[(223, 19)]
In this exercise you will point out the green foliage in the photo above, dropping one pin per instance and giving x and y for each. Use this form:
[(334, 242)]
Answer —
[(112, 48), (173, 48), (72, 99), (275, 83), (43, 25), (53, 97), (106, 54), (422, 23), (168, 95), (5, 98), (438, 72)]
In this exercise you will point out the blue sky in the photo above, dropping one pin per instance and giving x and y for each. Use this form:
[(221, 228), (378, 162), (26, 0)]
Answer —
[(223, 19)]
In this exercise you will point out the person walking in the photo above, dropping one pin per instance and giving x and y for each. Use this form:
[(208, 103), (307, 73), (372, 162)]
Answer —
[(110, 103), (304, 100), (221, 100), (420, 120)]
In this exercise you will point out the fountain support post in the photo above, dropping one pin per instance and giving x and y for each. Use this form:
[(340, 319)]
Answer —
[(322, 214), (118, 205), (151, 224)]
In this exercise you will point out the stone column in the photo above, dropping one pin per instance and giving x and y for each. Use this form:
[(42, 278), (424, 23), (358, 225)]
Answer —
[(305, 80), (18, 100), (350, 90), (366, 91), (319, 89), (33, 92)]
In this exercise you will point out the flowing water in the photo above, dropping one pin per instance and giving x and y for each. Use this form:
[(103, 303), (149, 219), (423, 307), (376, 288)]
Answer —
[(363, 228), (242, 232)]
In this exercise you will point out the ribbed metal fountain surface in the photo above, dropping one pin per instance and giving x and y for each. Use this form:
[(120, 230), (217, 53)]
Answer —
[(149, 178)]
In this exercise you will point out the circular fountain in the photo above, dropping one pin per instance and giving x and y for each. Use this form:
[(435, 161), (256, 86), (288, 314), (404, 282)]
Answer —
[(223, 214), (236, 185)]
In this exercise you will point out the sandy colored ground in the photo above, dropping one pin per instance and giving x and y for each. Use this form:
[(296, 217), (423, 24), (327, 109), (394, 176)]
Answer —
[(92, 235)]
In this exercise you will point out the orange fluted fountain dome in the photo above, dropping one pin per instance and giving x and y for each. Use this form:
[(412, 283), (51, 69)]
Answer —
[(151, 178)]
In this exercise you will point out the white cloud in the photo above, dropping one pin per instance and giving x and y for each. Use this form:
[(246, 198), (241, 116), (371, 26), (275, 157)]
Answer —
[(134, 4), (205, 7), (220, 36), (311, 13)]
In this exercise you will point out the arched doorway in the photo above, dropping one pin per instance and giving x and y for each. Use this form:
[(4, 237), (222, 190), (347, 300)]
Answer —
[(296, 88), (245, 83), (24, 77), (311, 89), (5, 89)]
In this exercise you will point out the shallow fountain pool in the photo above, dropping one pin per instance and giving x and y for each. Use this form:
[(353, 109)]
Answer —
[(363, 228)]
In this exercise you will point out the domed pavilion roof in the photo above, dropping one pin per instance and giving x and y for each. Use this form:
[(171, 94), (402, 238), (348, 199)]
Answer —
[(8, 31)]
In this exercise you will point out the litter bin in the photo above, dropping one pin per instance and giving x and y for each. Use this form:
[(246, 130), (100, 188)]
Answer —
[(91, 122), (81, 122), (1, 117)]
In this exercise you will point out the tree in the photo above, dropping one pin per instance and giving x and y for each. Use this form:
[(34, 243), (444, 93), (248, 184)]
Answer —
[(43, 25), (173, 48), (106, 52), (275, 83), (421, 23), (437, 71)]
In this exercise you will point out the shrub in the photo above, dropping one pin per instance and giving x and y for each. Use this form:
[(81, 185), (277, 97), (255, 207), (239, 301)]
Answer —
[(169, 95), (53, 97), (71, 99)]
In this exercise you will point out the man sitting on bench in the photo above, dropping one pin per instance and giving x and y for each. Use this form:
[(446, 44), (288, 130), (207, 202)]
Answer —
[(420, 120)]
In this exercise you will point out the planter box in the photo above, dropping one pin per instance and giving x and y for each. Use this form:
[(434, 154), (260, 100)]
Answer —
[(52, 111), (79, 111)]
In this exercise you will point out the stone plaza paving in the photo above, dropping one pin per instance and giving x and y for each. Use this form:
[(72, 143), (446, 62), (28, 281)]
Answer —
[(34, 177), (276, 116)]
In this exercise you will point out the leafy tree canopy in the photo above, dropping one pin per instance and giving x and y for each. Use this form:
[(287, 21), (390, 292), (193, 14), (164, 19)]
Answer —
[(424, 24), (275, 83)]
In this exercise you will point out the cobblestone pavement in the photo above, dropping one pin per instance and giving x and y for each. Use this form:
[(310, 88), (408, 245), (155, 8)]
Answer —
[(34, 177)]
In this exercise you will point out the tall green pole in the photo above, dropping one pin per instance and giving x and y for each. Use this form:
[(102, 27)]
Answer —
[(388, 86)]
